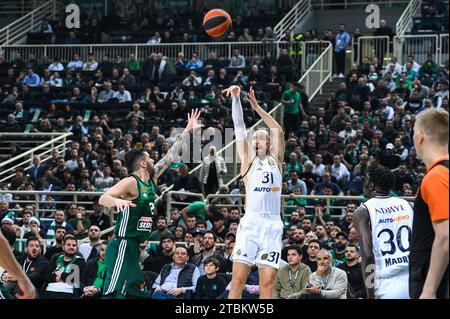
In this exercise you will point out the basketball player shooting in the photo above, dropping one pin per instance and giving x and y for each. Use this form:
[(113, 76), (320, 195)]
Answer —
[(258, 239)]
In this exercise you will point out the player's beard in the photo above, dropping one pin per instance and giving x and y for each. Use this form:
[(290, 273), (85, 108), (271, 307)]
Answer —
[(151, 170)]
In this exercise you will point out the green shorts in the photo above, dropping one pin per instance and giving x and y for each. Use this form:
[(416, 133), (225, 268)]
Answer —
[(124, 276), (5, 294)]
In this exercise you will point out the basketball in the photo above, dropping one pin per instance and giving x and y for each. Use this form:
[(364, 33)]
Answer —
[(217, 23)]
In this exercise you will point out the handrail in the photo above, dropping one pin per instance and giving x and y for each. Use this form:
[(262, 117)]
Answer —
[(61, 137), (142, 50), (293, 17), (406, 17), (324, 5), (62, 140), (28, 22)]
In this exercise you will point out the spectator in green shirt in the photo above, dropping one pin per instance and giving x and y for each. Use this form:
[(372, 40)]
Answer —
[(295, 201), (294, 164), (200, 210), (133, 64), (429, 69), (291, 101), (80, 223)]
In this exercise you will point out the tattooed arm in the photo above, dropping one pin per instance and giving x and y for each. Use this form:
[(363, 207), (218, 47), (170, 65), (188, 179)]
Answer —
[(174, 151)]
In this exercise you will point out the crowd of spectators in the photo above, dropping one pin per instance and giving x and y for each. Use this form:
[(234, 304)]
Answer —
[(368, 121)]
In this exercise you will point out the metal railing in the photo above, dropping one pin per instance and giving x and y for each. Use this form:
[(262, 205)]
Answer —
[(142, 51), (372, 46), (401, 46), (35, 198), (418, 45), (18, 7), (292, 18), (350, 4), (329, 206), (319, 72), (406, 18), (19, 28), (25, 159), (179, 201), (443, 49)]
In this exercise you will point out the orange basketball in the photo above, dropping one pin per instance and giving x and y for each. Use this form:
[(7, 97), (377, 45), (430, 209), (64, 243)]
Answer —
[(217, 23)]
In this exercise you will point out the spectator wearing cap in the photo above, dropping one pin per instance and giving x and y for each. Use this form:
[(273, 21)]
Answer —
[(209, 250), (210, 285), (338, 252), (389, 159), (35, 229)]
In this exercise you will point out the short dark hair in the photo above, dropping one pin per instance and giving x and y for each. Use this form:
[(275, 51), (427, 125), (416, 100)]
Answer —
[(210, 232), (315, 241), (381, 177), (296, 248), (167, 234), (60, 227), (69, 237), (201, 222), (213, 260), (161, 217), (132, 158), (32, 238), (10, 235)]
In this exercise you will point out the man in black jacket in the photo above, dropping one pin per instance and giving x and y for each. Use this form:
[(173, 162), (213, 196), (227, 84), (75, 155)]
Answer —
[(178, 279), (154, 263), (209, 250), (94, 274), (35, 266), (65, 268), (354, 273)]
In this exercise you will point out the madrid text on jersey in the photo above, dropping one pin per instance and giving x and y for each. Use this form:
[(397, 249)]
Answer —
[(396, 261)]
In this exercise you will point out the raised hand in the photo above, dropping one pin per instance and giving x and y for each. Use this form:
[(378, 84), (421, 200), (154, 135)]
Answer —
[(233, 90), (192, 120), (252, 99)]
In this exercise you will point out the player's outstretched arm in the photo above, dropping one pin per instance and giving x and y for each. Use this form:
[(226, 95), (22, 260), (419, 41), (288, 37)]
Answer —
[(361, 221), (9, 263), (112, 196), (277, 149), (182, 139), (245, 153)]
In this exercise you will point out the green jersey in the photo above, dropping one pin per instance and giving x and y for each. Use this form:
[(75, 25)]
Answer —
[(294, 101), (136, 222)]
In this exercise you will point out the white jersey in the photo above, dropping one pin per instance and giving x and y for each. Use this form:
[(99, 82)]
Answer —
[(391, 220), (263, 189)]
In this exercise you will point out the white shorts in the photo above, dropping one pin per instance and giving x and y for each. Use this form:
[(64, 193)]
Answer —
[(258, 240), (395, 287)]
